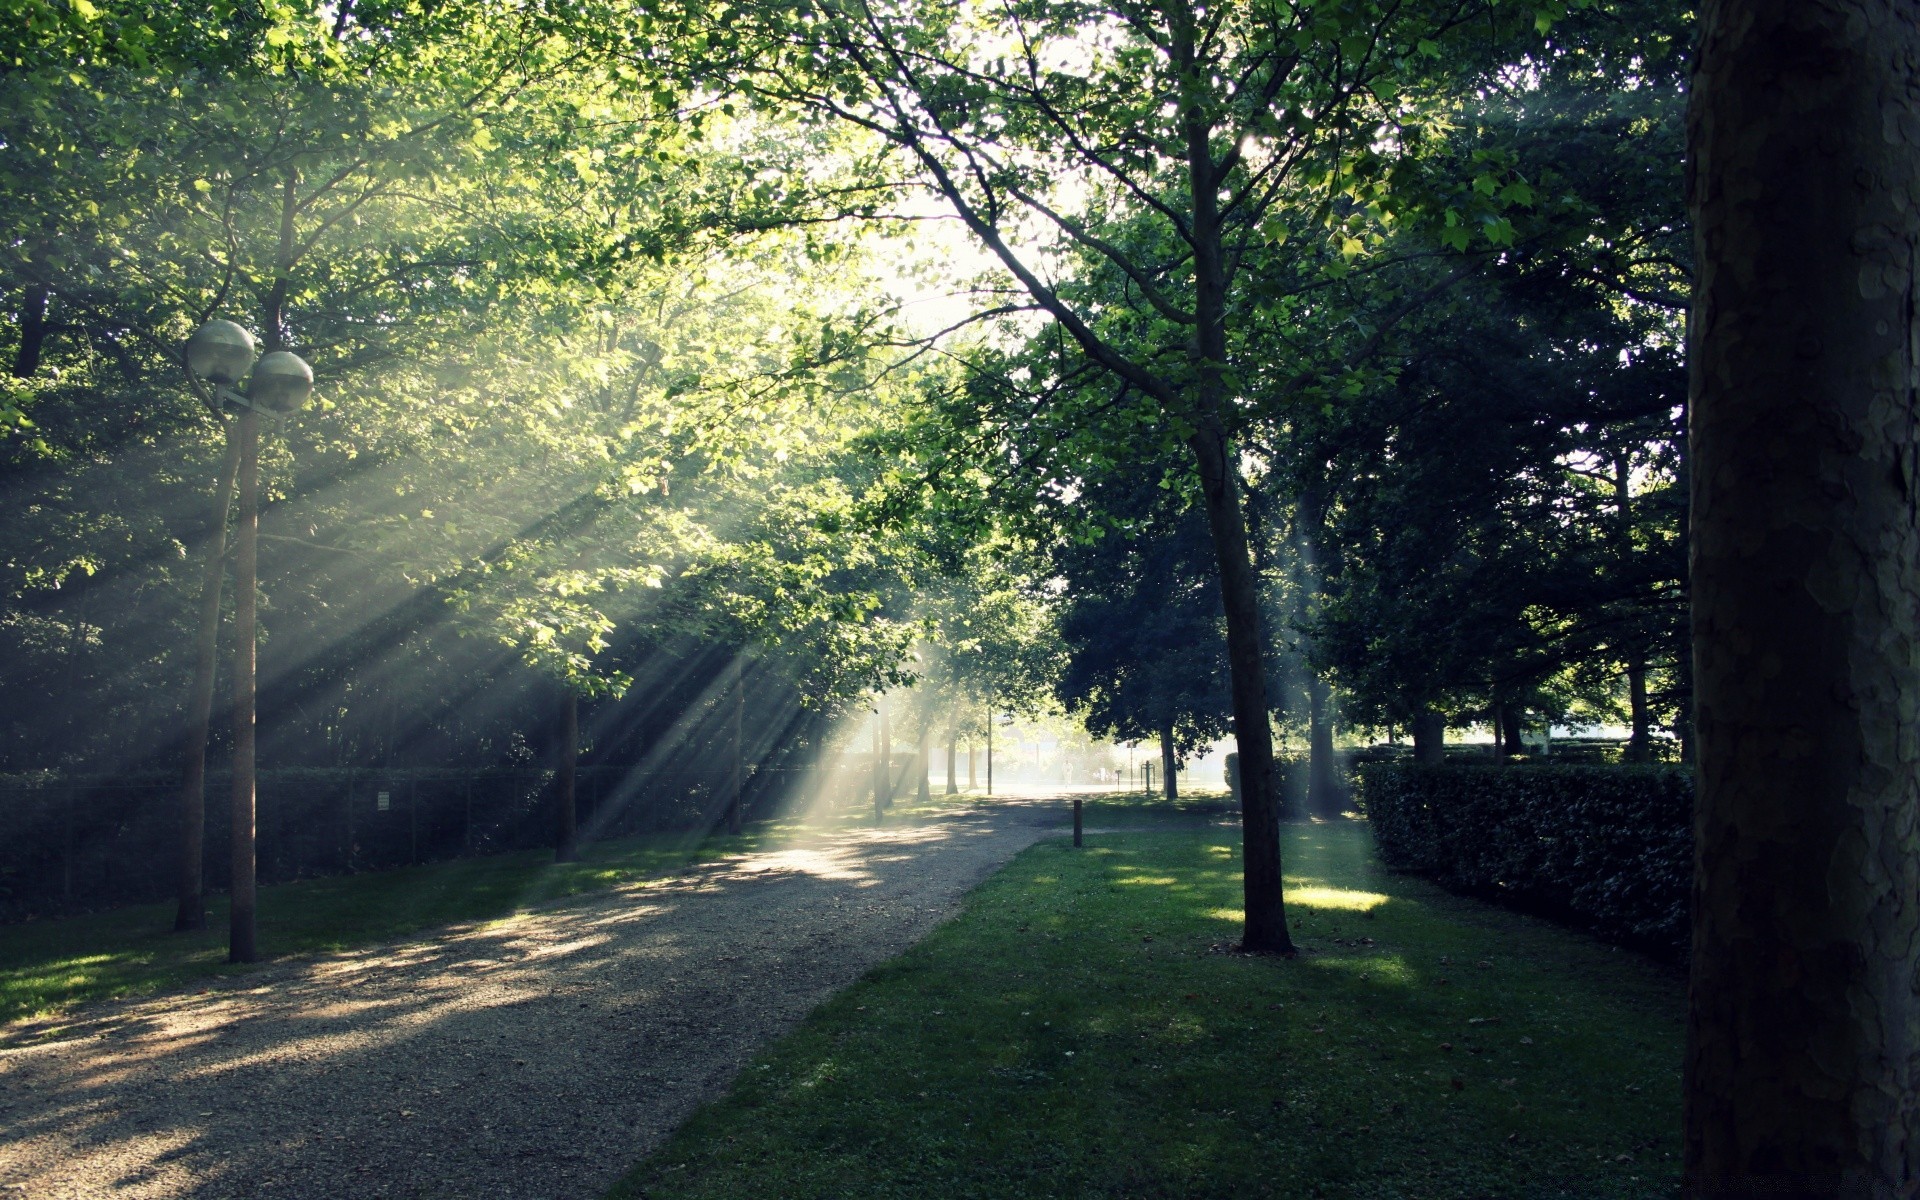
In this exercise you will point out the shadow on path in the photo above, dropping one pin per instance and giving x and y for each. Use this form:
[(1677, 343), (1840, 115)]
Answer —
[(535, 1057)]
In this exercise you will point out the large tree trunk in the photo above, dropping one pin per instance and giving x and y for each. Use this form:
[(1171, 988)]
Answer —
[(1217, 465), (1510, 732), (1429, 737), (566, 814), (240, 928), (1169, 763), (190, 878), (1803, 1020)]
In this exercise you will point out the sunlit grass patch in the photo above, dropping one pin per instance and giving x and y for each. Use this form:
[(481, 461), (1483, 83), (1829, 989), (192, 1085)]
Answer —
[(1075, 1032), (47, 967), (1338, 898)]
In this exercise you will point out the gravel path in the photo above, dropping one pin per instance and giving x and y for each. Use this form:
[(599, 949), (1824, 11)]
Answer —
[(533, 1059)]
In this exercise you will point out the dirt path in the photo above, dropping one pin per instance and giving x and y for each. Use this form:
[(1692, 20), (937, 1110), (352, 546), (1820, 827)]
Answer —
[(533, 1059)]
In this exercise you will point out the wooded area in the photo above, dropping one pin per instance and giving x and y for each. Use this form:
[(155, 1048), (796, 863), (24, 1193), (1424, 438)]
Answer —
[(693, 380)]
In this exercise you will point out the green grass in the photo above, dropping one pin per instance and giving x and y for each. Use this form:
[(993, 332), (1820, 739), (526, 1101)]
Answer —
[(1082, 1029), (49, 967)]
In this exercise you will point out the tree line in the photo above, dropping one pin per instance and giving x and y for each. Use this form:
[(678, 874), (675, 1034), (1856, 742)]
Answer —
[(1321, 357)]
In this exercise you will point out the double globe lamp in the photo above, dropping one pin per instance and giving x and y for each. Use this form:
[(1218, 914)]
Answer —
[(221, 353)]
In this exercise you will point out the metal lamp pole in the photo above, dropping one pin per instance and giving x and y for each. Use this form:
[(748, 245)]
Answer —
[(221, 352)]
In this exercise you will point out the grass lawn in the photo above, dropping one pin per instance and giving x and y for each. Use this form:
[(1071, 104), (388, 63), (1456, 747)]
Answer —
[(1081, 1029)]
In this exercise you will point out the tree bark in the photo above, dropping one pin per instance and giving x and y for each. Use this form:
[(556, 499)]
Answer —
[(240, 929), (566, 814), (1168, 763), (953, 749), (1803, 1015), (33, 331), (923, 760), (1510, 743), (1429, 737), (1640, 743), (190, 886)]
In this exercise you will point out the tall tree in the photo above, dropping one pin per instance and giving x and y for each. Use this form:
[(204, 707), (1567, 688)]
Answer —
[(1803, 1046), (1160, 142)]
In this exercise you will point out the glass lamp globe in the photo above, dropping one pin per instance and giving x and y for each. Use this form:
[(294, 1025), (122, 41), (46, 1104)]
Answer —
[(282, 381), (221, 352)]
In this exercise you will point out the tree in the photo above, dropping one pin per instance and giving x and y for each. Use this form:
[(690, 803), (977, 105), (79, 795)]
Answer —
[(1178, 133), (1141, 628), (1803, 1003)]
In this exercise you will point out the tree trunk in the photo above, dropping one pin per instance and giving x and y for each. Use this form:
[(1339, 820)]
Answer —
[(953, 748), (736, 703), (1168, 762), (923, 757), (190, 883), (1429, 737), (1640, 744), (1803, 1032), (989, 750), (1323, 776), (972, 779), (33, 331), (1266, 915), (1510, 742), (882, 760), (1218, 466), (240, 929), (566, 824)]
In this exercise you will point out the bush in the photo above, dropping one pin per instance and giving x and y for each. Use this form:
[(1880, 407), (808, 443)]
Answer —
[(1606, 848)]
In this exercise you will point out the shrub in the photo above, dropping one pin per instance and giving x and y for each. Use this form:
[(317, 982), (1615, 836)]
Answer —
[(1608, 848)]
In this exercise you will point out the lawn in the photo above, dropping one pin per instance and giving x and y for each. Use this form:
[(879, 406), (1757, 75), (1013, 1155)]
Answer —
[(1083, 1028)]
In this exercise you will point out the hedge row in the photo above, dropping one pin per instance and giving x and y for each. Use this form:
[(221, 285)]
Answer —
[(1608, 848)]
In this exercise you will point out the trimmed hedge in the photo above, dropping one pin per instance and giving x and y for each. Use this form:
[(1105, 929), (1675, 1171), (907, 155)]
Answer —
[(1607, 848)]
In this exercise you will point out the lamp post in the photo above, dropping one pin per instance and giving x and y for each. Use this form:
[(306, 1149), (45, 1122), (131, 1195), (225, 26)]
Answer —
[(221, 353)]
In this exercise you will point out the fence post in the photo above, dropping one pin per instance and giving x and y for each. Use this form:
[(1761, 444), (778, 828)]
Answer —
[(466, 821), (413, 819), (347, 849)]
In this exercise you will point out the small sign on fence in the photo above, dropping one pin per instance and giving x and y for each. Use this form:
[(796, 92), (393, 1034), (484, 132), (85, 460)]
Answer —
[(383, 801)]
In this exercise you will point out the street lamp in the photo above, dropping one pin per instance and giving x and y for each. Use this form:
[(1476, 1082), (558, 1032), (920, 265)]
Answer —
[(221, 353)]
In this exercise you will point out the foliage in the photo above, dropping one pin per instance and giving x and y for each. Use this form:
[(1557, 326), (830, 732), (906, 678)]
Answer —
[(588, 397), (1077, 1031), (1140, 622), (1498, 496), (1609, 848)]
